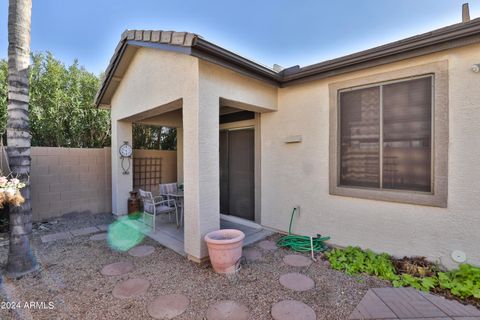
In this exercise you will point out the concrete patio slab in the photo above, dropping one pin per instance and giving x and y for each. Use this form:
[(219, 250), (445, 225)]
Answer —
[(117, 268), (131, 288), (292, 310), (168, 306), (227, 310), (297, 281), (167, 234)]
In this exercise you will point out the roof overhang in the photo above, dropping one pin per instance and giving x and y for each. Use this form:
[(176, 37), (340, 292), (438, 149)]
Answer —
[(457, 35)]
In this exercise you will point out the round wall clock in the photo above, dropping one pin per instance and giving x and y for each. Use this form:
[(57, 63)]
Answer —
[(125, 151)]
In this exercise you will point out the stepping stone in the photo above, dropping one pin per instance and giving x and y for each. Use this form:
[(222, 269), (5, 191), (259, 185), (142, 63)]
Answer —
[(84, 231), (292, 310), (99, 236), (130, 288), (56, 236), (297, 281), (141, 251), (168, 306), (296, 260), (252, 254), (268, 245), (227, 310), (117, 268)]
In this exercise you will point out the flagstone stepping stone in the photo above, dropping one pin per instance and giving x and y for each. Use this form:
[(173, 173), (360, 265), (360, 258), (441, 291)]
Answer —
[(252, 254), (56, 236), (130, 288), (99, 236), (227, 310), (297, 281), (268, 245), (296, 260), (141, 251), (168, 306), (292, 310), (117, 268), (84, 231)]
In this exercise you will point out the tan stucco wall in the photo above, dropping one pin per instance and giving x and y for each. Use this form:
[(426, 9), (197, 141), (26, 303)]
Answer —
[(297, 174), (145, 86), (169, 162)]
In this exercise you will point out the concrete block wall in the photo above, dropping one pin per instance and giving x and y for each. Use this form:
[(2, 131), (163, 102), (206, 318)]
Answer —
[(66, 180)]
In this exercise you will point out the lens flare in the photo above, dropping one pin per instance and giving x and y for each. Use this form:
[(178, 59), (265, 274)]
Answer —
[(123, 235)]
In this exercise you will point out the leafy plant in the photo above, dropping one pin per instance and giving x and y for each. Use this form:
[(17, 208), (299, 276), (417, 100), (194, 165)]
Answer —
[(463, 282), (354, 260)]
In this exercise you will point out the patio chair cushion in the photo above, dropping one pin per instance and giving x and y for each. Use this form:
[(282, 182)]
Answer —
[(163, 208)]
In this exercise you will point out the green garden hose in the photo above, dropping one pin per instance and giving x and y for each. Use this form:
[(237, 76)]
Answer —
[(302, 243)]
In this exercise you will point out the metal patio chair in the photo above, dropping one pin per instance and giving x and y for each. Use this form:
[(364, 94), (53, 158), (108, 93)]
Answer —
[(154, 206), (168, 189)]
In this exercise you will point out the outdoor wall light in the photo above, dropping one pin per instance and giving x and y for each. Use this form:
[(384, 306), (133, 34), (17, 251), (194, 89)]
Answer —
[(476, 68)]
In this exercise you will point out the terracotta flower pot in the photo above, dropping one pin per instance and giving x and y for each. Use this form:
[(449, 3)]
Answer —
[(225, 249)]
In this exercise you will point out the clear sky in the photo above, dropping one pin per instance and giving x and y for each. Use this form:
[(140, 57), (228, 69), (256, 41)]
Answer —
[(286, 32)]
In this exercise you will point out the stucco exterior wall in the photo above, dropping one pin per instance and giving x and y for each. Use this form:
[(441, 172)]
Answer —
[(147, 85), (169, 162), (298, 174), (217, 82)]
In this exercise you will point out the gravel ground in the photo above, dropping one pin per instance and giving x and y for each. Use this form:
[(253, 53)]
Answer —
[(70, 278)]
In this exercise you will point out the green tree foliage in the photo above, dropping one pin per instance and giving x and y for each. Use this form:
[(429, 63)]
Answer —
[(62, 112), (154, 137)]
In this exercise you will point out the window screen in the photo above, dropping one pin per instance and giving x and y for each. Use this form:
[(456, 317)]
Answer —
[(407, 134), (360, 138), (385, 136)]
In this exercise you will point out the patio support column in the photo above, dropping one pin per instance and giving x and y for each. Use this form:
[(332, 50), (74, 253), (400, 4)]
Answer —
[(122, 184), (201, 172), (180, 155)]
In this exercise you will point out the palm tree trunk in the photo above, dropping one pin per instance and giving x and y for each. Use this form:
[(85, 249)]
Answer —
[(20, 258)]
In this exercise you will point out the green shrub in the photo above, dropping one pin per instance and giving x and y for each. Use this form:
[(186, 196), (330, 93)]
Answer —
[(463, 282), (354, 260)]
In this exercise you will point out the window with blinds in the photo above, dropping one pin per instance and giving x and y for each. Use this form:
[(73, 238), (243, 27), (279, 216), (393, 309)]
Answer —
[(385, 136)]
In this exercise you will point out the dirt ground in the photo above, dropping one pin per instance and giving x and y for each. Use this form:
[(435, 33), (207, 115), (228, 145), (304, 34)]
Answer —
[(70, 278)]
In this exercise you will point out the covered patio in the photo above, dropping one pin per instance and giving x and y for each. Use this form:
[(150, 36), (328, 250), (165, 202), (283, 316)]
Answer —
[(167, 234), (161, 85)]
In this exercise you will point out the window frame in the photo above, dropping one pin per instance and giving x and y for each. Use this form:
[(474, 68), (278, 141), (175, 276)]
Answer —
[(438, 71)]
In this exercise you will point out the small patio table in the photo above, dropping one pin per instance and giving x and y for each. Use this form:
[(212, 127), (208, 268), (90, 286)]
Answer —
[(178, 197)]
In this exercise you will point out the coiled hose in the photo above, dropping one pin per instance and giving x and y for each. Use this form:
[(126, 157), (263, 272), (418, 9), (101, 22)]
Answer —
[(302, 243)]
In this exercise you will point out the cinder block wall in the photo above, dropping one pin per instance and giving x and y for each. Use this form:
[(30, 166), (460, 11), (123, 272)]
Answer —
[(66, 180)]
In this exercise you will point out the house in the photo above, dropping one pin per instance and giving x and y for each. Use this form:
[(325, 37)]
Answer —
[(378, 149)]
